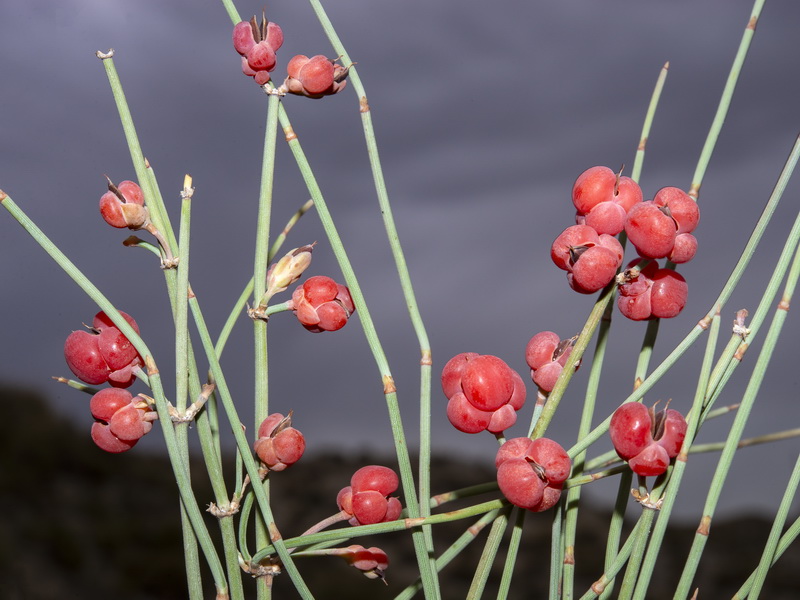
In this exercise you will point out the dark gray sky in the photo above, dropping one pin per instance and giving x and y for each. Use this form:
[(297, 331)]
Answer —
[(484, 118)]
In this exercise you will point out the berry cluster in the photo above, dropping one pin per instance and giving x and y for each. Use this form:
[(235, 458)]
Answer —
[(607, 203), (123, 205), (483, 393), (590, 259), (366, 498), (651, 292), (372, 562), (121, 419), (661, 227), (646, 439), (603, 199), (315, 77), (321, 304), (531, 473), (103, 354), (279, 445), (258, 44), (547, 355)]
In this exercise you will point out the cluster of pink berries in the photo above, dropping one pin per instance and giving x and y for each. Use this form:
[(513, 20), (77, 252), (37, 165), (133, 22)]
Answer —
[(366, 500), (279, 445), (123, 205), (648, 440), (258, 43), (483, 393), (607, 203), (531, 473), (121, 419), (373, 561), (547, 355), (321, 304), (104, 355)]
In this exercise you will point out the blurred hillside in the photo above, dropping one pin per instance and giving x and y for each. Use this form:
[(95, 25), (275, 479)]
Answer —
[(78, 523)]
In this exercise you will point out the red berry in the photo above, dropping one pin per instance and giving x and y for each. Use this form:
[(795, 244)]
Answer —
[(104, 354), (662, 227), (366, 496), (375, 477), (680, 206), (547, 355), (590, 259), (274, 36), (483, 393), (595, 270), (530, 473), (257, 43), (452, 372), (465, 417), (646, 439), (121, 419), (603, 198), (243, 38), (651, 230), (321, 304), (519, 483), (487, 383), (261, 57), (653, 293), (684, 249), (668, 294), (314, 77), (123, 206), (105, 440), (373, 561), (279, 445)]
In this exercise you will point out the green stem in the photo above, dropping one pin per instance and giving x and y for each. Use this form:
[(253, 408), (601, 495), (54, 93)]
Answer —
[(179, 467), (511, 555), (368, 326), (244, 447), (636, 171), (725, 100), (241, 302), (671, 491), (469, 535), (487, 557), (180, 310), (348, 533), (585, 426), (787, 539), (581, 344), (153, 200), (601, 585), (261, 261), (405, 282), (615, 531), (771, 546), (727, 290), (748, 399)]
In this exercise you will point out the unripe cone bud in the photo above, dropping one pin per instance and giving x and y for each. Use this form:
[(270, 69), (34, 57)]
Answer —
[(287, 270)]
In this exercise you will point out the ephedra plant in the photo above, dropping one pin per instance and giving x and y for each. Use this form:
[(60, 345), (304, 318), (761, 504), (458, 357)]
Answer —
[(625, 247)]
